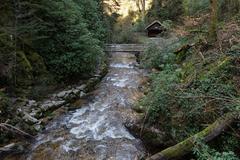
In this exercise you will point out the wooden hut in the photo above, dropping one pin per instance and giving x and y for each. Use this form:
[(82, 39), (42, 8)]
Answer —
[(154, 29)]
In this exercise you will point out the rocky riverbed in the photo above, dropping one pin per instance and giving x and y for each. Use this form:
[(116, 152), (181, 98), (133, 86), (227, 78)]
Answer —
[(96, 130)]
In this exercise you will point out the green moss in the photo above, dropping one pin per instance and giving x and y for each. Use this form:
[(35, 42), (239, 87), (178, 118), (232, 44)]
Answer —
[(215, 68), (181, 56), (24, 76), (37, 63), (188, 71)]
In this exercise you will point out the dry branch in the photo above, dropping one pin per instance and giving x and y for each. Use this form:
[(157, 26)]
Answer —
[(15, 130), (206, 135)]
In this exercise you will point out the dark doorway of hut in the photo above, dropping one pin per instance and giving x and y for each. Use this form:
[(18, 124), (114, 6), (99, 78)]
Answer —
[(154, 29)]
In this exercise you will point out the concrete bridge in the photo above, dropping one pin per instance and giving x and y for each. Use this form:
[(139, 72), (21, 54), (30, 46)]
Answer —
[(135, 48)]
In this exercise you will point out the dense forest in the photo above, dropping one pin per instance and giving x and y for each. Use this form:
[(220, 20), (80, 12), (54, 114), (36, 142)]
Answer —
[(47, 44), (191, 99)]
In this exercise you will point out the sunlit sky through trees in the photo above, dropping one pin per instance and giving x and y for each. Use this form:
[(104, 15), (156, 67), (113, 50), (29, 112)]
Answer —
[(129, 5)]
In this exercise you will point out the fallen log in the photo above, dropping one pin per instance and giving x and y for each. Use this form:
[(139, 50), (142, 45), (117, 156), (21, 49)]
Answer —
[(15, 130), (206, 135), (184, 48)]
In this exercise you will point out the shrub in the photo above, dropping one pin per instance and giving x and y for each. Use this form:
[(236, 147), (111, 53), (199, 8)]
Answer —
[(159, 99), (164, 10), (126, 35), (156, 55), (189, 93), (193, 7), (204, 152)]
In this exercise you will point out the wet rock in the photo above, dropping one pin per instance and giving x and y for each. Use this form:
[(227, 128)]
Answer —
[(82, 94), (75, 91), (77, 104), (38, 127), (59, 111), (91, 83), (70, 94), (35, 112), (62, 94), (97, 76), (47, 105), (45, 120), (32, 103), (29, 119), (82, 87)]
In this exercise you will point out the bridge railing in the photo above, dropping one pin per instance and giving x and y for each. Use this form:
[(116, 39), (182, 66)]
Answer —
[(124, 47)]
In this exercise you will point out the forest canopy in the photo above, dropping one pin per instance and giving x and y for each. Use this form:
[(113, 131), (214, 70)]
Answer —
[(66, 36)]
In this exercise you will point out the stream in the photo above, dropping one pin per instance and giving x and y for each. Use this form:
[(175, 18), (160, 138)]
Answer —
[(96, 131)]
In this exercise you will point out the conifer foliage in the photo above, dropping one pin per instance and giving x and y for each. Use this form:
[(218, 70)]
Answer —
[(69, 47), (66, 34)]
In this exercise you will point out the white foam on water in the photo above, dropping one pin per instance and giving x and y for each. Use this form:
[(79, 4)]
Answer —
[(58, 139), (121, 65), (99, 127), (99, 105), (113, 79), (69, 147), (121, 83), (76, 118)]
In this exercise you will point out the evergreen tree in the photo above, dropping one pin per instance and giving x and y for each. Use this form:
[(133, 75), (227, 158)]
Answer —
[(165, 9), (93, 16), (67, 34), (69, 48)]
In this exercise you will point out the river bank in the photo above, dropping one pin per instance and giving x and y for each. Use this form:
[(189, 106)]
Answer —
[(96, 130), (32, 116)]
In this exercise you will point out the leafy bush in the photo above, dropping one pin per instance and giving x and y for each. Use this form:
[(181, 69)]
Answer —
[(69, 49), (64, 33), (159, 99), (156, 55), (174, 94), (139, 26), (126, 35), (193, 7), (188, 93), (168, 24), (204, 152), (228, 8), (165, 9)]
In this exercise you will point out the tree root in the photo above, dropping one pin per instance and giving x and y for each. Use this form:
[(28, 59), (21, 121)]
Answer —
[(206, 135)]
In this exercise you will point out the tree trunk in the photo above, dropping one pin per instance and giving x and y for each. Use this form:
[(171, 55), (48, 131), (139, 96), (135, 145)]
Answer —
[(143, 10), (214, 20), (207, 134), (141, 4)]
